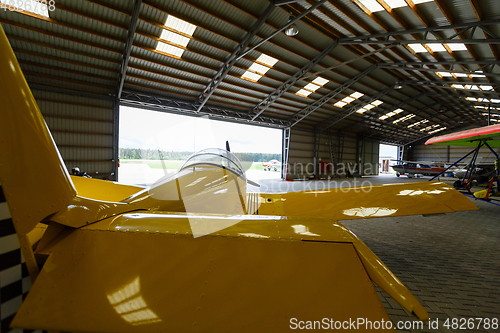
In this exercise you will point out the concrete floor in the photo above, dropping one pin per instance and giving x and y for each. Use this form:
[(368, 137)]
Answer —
[(450, 262)]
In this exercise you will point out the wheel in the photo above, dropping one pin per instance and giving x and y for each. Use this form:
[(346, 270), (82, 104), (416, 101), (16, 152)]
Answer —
[(398, 174), (457, 184)]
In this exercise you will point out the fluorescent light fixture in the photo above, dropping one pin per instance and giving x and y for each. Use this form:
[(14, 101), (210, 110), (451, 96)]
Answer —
[(356, 95), (361, 110), (372, 5), (304, 92), (179, 33), (457, 46), (398, 111), (377, 102), (436, 47), (383, 117), (416, 2), (460, 75), (31, 6), (369, 106), (417, 48), (320, 81), (340, 104)]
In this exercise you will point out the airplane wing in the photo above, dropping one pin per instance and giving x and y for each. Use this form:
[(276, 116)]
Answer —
[(145, 271), (367, 202), (469, 137)]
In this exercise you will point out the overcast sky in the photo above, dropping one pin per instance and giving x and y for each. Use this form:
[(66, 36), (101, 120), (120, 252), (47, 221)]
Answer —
[(159, 130)]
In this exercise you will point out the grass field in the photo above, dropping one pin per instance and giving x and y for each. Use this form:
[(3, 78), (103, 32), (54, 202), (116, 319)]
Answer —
[(173, 164)]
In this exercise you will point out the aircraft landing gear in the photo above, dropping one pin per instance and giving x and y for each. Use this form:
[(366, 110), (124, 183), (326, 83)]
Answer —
[(398, 174)]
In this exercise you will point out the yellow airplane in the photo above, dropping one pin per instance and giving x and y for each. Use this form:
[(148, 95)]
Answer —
[(195, 252)]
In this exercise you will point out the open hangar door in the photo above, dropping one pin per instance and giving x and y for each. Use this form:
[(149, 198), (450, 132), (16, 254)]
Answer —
[(154, 143)]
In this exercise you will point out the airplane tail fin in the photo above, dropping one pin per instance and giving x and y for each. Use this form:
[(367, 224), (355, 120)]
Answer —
[(32, 174)]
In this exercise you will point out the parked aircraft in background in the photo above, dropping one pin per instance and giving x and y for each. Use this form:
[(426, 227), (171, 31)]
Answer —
[(410, 169), (195, 252), (272, 165)]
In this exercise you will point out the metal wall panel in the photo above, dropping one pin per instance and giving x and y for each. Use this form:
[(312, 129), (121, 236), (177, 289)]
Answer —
[(449, 154), (83, 129), (302, 154)]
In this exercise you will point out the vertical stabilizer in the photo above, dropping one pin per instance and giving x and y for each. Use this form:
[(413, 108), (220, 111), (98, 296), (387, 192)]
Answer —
[(33, 176)]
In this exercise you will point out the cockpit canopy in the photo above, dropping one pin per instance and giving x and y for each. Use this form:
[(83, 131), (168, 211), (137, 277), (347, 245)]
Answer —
[(216, 157)]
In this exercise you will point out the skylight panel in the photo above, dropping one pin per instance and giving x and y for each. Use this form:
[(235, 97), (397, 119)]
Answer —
[(173, 50), (483, 87), (390, 114), (416, 2), (356, 95), (438, 130), (179, 32), (417, 48), (436, 47), (377, 102), (340, 104), (372, 5), (251, 76), (423, 121), (320, 81), (256, 70), (180, 25), (347, 99), (174, 38), (444, 74), (311, 86), (304, 92), (460, 75), (30, 6), (369, 106), (457, 46), (402, 119), (361, 110), (396, 3), (267, 60)]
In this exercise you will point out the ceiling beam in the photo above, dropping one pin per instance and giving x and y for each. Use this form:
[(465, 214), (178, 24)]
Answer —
[(134, 19), (278, 92), (166, 104), (467, 25), (346, 113), (231, 60), (299, 116)]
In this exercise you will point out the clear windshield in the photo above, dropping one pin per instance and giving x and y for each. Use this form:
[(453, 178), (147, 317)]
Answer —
[(215, 156)]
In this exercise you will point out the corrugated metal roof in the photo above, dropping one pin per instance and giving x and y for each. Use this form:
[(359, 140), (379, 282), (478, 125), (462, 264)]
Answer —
[(82, 45)]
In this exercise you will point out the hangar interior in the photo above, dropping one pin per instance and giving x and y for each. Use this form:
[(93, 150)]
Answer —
[(358, 73)]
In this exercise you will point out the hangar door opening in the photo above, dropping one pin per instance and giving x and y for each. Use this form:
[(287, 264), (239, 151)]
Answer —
[(387, 158), (153, 144)]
